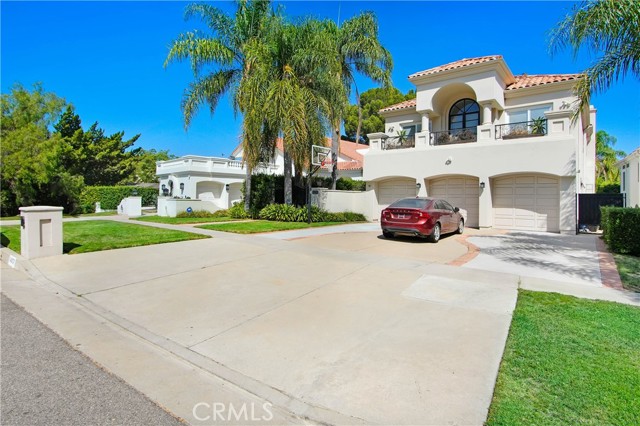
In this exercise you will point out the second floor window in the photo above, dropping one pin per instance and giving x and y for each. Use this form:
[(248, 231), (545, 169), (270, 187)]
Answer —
[(464, 113), (524, 115)]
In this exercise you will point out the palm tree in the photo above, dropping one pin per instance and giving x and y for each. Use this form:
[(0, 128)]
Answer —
[(357, 50), (609, 27), (224, 51), (290, 84), (607, 173)]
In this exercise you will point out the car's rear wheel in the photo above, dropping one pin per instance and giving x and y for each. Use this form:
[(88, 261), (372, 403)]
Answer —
[(460, 226), (435, 234), (387, 234)]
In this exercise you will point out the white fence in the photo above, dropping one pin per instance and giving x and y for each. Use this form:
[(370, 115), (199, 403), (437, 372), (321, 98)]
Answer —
[(343, 201)]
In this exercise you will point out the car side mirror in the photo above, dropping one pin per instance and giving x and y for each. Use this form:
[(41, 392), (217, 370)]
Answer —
[(455, 209)]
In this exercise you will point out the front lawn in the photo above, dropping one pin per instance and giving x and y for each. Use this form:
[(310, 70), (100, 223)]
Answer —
[(629, 270), (184, 220), (257, 226), (97, 235), (569, 361)]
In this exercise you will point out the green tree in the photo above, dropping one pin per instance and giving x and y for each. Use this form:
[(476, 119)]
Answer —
[(145, 164), (371, 101), (223, 53), (607, 173), (357, 49), (32, 168), (609, 28)]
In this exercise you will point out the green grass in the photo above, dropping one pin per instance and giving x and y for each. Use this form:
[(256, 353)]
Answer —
[(184, 220), (87, 236), (569, 361), (256, 226), (629, 270)]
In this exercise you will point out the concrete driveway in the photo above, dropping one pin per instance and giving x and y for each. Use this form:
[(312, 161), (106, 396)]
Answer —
[(563, 258), (347, 328)]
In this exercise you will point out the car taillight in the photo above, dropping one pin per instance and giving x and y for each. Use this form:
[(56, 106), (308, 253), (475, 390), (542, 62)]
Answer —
[(386, 214), (424, 214)]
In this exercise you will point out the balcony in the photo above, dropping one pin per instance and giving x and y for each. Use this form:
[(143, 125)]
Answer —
[(207, 165), (523, 129), (399, 143), (451, 137)]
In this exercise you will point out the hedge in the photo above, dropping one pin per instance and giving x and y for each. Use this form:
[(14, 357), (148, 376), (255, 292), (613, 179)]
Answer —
[(110, 196), (287, 213), (621, 229)]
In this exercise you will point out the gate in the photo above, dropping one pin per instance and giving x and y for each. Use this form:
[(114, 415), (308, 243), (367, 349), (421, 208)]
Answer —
[(589, 206)]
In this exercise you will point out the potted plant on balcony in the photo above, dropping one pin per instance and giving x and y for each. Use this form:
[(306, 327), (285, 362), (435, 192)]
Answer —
[(402, 137), (443, 138), (538, 126)]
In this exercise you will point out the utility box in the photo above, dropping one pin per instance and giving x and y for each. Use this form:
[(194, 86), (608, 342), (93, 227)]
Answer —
[(131, 206), (40, 231)]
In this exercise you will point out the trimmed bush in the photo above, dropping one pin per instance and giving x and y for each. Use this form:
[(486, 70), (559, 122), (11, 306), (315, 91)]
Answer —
[(286, 213), (204, 213), (621, 229), (110, 196), (237, 211)]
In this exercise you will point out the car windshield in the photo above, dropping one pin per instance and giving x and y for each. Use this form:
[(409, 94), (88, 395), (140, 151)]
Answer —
[(411, 203)]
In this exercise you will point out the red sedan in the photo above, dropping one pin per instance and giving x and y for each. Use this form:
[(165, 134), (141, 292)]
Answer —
[(421, 217)]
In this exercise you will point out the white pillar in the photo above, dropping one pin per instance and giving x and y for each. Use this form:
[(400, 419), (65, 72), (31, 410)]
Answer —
[(485, 211), (425, 121), (40, 231), (486, 114)]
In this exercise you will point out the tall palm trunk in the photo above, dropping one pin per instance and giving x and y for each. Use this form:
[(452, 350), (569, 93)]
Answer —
[(359, 128), (335, 151), (247, 190), (288, 190)]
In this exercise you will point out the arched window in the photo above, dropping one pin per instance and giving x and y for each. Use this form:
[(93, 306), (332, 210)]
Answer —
[(463, 114)]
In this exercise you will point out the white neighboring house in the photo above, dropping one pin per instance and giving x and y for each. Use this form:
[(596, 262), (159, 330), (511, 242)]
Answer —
[(214, 183), (630, 178), (499, 145)]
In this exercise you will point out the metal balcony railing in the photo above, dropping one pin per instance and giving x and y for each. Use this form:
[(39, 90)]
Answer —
[(522, 129), (398, 143), (450, 137)]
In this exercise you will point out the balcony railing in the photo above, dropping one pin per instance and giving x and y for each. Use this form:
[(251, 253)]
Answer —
[(398, 143), (523, 129), (450, 137)]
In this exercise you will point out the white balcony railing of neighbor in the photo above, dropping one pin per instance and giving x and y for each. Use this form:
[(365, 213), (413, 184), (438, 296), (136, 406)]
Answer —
[(207, 165)]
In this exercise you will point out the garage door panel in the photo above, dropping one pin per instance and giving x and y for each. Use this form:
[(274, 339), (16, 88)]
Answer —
[(462, 192), (393, 190), (534, 201)]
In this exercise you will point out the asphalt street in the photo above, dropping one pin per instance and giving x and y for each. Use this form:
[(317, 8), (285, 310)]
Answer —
[(47, 382)]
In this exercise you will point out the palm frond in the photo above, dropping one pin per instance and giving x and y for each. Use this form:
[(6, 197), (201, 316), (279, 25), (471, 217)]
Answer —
[(207, 90), (200, 51)]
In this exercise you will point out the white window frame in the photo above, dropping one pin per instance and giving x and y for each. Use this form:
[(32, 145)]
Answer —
[(528, 110)]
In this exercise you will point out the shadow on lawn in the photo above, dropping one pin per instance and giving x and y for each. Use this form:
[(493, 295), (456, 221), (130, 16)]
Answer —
[(4, 240), (67, 247)]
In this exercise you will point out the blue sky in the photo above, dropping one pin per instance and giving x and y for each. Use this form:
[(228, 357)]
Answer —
[(106, 58)]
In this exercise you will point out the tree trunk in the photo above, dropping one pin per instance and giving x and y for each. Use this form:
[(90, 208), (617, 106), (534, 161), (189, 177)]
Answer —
[(288, 190), (247, 189), (359, 117), (335, 150)]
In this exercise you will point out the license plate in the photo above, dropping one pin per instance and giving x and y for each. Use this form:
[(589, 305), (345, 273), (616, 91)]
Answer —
[(402, 216)]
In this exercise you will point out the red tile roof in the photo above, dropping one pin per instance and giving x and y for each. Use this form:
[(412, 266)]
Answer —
[(411, 103), (525, 80), (347, 149), (457, 64)]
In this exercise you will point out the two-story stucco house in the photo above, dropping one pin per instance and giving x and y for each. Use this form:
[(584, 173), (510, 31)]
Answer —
[(630, 178), (502, 146)]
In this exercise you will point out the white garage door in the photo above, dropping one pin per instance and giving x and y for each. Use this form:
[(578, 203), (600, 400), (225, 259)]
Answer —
[(527, 203), (392, 190), (462, 192)]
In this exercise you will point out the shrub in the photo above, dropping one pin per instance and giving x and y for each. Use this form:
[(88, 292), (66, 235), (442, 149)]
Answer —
[(621, 229), (204, 213), (110, 196), (287, 213), (237, 211)]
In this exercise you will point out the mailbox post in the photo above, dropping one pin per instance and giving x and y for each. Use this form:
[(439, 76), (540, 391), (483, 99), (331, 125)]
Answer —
[(40, 231)]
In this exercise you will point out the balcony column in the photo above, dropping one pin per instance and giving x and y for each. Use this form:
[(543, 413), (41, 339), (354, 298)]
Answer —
[(486, 113), (425, 121)]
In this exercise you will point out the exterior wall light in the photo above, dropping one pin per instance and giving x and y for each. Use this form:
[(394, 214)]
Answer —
[(227, 186), (418, 186), (482, 185), (182, 187)]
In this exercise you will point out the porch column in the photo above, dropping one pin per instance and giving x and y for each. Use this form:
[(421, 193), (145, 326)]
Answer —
[(425, 121), (486, 113)]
